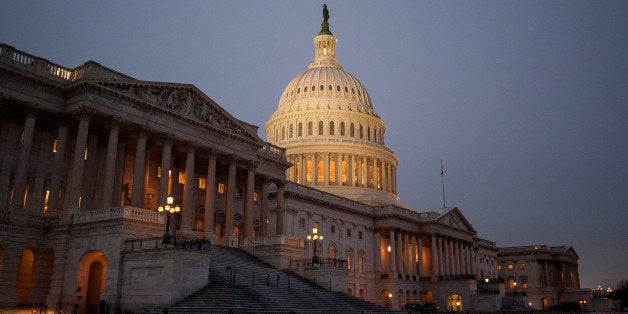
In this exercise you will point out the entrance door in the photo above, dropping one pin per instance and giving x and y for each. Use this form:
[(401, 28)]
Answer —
[(94, 286)]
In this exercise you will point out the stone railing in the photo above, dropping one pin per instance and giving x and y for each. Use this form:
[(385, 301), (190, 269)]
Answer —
[(275, 240), (5, 215), (43, 220), (124, 212), (41, 66), (273, 152), (322, 262), (327, 197), (179, 242)]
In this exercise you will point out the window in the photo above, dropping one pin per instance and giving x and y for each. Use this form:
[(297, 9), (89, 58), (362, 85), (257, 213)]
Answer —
[(283, 132), (511, 283), (361, 131), (348, 233), (352, 130), (368, 133), (337, 87), (510, 266), (255, 197), (220, 188), (320, 127), (320, 172), (308, 171), (54, 146), (522, 266), (344, 171), (349, 260), (360, 235), (331, 128), (310, 128), (313, 87), (302, 222), (361, 266), (329, 87), (316, 225), (239, 191), (332, 171), (499, 267), (202, 183), (85, 154), (346, 90), (182, 178), (46, 201), (305, 89), (342, 128), (291, 132), (298, 90), (158, 172), (300, 130), (322, 88), (332, 229)]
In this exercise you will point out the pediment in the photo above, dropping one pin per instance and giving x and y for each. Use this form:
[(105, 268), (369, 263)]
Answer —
[(455, 219), (186, 101)]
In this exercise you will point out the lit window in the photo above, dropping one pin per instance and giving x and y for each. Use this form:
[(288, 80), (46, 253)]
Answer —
[(302, 222), (202, 184), (255, 197), (46, 201), (54, 146), (332, 171), (522, 266), (181, 177), (85, 154), (510, 266), (199, 224), (524, 285), (320, 172), (361, 265), (511, 283), (349, 261), (158, 172), (220, 187), (499, 267), (316, 225)]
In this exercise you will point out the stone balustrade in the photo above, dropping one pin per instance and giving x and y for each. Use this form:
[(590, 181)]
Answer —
[(275, 239), (125, 212), (37, 65)]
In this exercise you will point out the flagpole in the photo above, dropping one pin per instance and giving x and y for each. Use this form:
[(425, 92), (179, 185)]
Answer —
[(442, 177)]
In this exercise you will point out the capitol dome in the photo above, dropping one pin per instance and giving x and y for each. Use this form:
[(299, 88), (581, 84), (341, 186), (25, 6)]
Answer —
[(332, 134)]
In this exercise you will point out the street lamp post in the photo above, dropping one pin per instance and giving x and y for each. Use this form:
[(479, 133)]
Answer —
[(315, 237), (169, 209)]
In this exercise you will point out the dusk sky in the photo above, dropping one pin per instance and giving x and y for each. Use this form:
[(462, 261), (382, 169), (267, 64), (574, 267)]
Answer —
[(526, 102)]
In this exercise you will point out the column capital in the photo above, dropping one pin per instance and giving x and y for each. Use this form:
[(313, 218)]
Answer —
[(85, 113), (252, 164), (114, 122), (32, 110)]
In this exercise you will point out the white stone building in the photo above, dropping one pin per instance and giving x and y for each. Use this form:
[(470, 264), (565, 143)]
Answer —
[(89, 154)]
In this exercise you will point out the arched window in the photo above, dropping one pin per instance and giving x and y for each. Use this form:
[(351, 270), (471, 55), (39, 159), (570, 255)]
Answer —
[(291, 132), (320, 128), (361, 131), (331, 128), (344, 171), (454, 303), (332, 171), (342, 128), (310, 128), (320, 172), (368, 133), (375, 135), (300, 129), (352, 130), (308, 171), (297, 172)]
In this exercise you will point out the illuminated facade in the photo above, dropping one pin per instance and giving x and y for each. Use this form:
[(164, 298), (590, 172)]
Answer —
[(546, 275), (89, 154)]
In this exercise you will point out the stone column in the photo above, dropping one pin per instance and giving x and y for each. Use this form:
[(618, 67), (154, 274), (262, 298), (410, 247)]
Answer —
[(36, 204), (7, 150), (420, 254), (210, 196), (350, 165), (189, 209), (137, 199), (434, 255), (57, 166), (110, 163), (166, 154), (314, 170), (441, 256), (406, 252), (375, 176), (23, 161), (338, 169), (399, 253), (229, 205), (377, 250), (360, 172), (248, 202), (263, 213), (119, 176), (413, 256), (326, 167), (281, 186), (74, 185), (393, 247), (303, 169)]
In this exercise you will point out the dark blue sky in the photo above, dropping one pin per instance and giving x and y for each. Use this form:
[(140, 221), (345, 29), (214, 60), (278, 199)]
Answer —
[(525, 101)]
